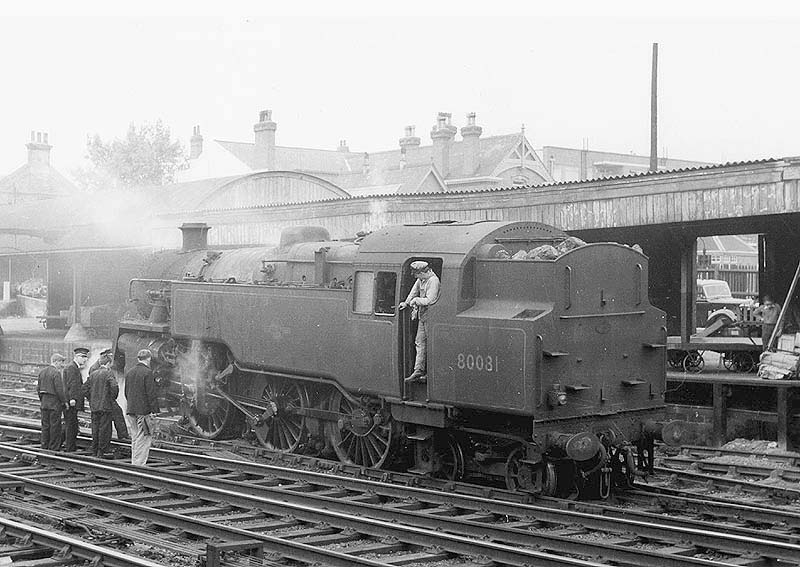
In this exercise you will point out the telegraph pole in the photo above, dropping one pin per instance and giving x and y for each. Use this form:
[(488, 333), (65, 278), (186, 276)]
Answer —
[(654, 112)]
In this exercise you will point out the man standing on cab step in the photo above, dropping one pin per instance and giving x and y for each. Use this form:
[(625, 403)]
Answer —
[(141, 393), (422, 296)]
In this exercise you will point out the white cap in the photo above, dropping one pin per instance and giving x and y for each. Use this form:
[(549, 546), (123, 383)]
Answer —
[(419, 266)]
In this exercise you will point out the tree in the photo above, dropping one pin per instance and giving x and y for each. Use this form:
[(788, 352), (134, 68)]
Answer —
[(144, 157)]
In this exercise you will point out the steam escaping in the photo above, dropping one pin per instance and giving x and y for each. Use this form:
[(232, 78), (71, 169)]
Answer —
[(191, 366), (378, 217)]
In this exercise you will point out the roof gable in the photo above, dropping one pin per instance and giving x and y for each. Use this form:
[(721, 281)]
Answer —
[(522, 157), (34, 182)]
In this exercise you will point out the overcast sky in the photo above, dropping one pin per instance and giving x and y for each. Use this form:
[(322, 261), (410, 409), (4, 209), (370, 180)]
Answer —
[(728, 82)]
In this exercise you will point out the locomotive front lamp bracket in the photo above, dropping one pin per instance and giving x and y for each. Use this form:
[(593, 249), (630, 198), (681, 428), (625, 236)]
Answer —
[(556, 397)]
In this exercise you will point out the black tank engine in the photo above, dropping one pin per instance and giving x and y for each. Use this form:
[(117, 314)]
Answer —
[(546, 361)]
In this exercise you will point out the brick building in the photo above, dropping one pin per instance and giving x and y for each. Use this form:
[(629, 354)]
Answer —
[(36, 179), (446, 164)]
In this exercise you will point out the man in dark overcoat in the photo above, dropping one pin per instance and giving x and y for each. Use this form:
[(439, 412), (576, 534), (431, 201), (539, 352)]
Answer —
[(117, 417), (52, 397), (141, 393), (101, 390), (73, 383)]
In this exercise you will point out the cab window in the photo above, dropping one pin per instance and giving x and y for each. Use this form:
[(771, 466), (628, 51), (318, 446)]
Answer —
[(385, 293), (363, 292)]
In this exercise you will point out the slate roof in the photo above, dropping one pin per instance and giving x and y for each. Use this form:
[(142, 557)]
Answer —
[(492, 151), (287, 158), (34, 182)]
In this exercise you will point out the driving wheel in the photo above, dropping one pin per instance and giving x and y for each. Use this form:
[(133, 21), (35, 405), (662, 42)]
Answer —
[(281, 428), (362, 436)]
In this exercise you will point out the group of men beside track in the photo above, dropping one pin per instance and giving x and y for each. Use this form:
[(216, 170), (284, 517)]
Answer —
[(62, 392)]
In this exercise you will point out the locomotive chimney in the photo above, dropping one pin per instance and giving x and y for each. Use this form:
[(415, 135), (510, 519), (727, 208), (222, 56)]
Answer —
[(195, 236)]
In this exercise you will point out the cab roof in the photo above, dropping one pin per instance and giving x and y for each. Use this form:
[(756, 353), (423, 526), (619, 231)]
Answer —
[(457, 238)]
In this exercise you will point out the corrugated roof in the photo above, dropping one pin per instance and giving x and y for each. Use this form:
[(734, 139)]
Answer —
[(178, 196), (542, 187)]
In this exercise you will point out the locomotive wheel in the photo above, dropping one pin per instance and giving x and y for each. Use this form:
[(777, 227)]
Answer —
[(450, 458), (284, 430), (361, 437), (693, 362), (210, 415), (213, 417), (520, 476)]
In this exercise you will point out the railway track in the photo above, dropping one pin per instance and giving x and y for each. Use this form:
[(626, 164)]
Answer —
[(576, 529), (723, 456), (14, 375), (763, 479), (688, 535), (741, 471), (23, 543)]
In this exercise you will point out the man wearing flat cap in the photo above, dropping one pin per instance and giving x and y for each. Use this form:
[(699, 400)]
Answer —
[(141, 393), (73, 384), (117, 417), (50, 388), (422, 297)]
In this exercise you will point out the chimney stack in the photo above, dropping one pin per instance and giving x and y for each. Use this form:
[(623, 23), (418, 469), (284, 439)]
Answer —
[(265, 140), (195, 236), (472, 145), (343, 146), (408, 144), (195, 143), (366, 163), (442, 135), (38, 150), (409, 141)]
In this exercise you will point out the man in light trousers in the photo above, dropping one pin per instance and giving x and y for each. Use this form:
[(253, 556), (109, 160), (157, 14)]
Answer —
[(141, 394), (422, 297)]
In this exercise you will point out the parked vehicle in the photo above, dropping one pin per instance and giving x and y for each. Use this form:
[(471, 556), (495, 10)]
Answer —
[(715, 302)]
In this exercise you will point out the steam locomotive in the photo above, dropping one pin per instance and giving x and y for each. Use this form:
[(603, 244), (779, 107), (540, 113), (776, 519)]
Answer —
[(544, 370)]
